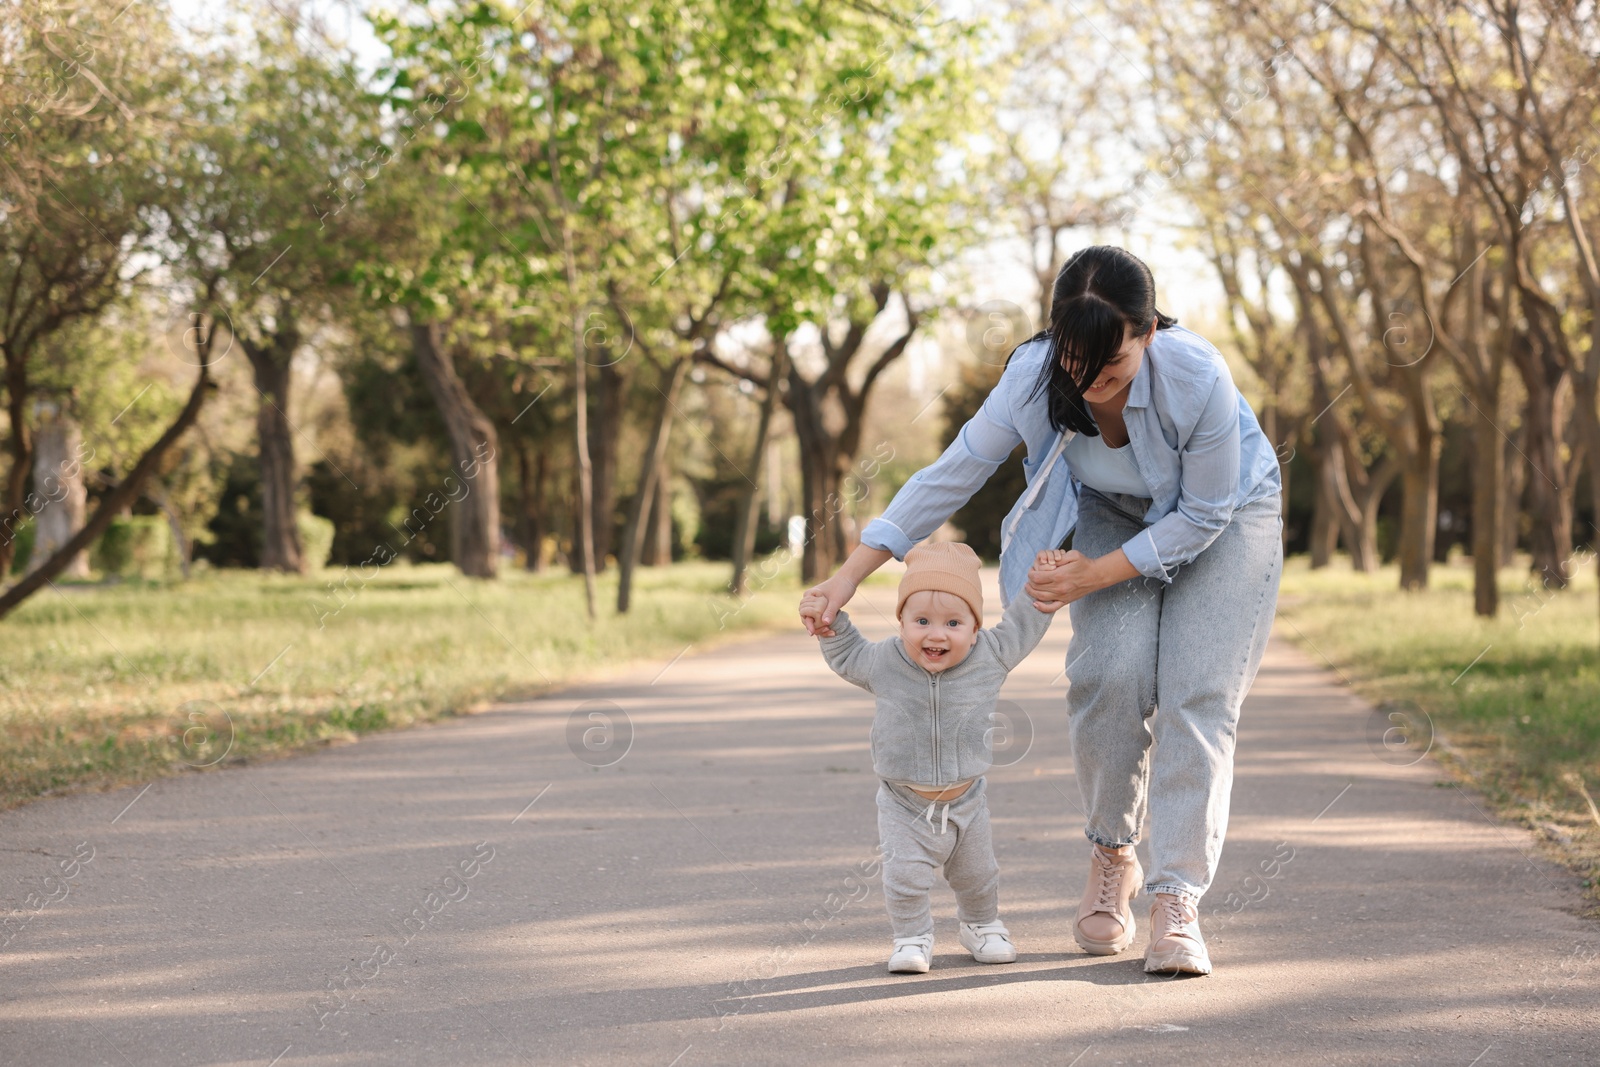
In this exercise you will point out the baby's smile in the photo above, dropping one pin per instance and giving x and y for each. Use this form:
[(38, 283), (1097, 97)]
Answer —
[(938, 630)]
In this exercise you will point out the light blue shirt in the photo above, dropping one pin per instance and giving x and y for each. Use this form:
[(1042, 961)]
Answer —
[(1099, 466), (1195, 441)]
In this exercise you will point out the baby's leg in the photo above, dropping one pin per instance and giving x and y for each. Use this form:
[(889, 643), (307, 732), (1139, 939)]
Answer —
[(908, 865), (971, 869)]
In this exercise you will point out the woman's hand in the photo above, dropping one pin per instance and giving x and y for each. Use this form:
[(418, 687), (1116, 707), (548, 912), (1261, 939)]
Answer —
[(1074, 575), (821, 603)]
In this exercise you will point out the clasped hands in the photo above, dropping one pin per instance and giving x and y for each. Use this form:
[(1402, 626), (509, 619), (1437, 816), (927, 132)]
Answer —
[(1060, 576)]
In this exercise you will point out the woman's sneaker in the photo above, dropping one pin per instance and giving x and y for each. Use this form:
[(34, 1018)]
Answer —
[(1105, 918), (1176, 946), (912, 955), (988, 942)]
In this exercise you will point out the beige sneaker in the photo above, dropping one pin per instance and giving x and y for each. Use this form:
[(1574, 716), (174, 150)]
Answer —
[(1175, 942), (1105, 920)]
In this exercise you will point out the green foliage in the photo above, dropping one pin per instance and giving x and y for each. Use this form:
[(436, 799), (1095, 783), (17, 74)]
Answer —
[(281, 143), (26, 531), (624, 166), (135, 546), (316, 537)]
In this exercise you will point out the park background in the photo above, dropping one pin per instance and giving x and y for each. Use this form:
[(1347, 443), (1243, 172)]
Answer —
[(364, 364)]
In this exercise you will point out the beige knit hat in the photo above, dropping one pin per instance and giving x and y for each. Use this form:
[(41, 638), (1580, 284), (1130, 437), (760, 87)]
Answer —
[(945, 567)]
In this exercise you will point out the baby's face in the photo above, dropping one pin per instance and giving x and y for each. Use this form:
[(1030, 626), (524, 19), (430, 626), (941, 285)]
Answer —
[(938, 629)]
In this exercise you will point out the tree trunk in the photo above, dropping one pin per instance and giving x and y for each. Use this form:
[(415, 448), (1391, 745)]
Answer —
[(776, 513), (744, 530), (472, 492), (58, 481), (281, 549), (1591, 424), (1488, 487), (604, 435), (1549, 498), (657, 551), (819, 496), (664, 541), (20, 444), (1325, 506), (1364, 545), (819, 491), (119, 498), (582, 472), (1419, 510), (1516, 479), (671, 381), (532, 475), (1586, 389)]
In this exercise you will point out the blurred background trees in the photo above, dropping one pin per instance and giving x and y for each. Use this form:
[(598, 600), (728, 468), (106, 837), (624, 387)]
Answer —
[(600, 285)]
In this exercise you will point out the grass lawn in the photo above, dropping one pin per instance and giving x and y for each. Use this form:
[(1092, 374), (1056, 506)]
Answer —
[(1516, 699), (107, 685)]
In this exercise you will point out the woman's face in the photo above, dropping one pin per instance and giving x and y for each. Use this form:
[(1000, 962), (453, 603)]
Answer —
[(1117, 375)]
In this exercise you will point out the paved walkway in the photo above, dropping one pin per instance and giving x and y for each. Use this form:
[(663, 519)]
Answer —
[(475, 892)]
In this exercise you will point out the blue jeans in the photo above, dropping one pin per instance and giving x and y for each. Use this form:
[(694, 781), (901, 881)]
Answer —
[(1156, 675)]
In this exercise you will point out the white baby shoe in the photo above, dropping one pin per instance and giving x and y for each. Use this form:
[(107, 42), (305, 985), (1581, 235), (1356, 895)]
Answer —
[(988, 942), (912, 955)]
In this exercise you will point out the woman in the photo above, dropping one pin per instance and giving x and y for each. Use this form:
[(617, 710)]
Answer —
[(1142, 449)]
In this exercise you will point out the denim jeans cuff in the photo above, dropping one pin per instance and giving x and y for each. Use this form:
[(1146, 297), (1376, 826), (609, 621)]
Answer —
[(1187, 895), (1106, 842)]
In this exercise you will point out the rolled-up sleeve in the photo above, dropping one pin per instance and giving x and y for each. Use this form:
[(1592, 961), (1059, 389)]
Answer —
[(936, 491), (1208, 485)]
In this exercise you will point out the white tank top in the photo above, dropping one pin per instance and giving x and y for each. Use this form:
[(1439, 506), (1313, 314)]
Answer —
[(1099, 466)]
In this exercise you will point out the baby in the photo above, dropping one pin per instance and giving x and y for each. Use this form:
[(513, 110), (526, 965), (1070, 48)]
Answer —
[(936, 686)]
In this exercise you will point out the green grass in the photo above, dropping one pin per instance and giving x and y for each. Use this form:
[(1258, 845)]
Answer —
[(106, 685), (1516, 699)]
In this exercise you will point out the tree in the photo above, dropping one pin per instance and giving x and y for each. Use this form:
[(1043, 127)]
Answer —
[(1250, 119), (275, 120), (125, 492), (83, 178)]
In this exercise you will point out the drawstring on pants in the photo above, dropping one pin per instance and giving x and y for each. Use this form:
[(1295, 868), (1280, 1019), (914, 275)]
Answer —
[(944, 817)]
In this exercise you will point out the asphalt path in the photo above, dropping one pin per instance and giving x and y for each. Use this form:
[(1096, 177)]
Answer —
[(674, 866)]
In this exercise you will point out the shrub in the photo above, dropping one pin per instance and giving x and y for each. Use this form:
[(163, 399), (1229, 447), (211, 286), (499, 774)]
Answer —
[(135, 546), (316, 538)]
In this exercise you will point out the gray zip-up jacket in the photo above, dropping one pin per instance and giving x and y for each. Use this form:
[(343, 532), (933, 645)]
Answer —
[(933, 730)]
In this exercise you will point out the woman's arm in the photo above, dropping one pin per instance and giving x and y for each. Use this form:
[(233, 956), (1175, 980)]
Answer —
[(1208, 484), (837, 591), (937, 491), (934, 493)]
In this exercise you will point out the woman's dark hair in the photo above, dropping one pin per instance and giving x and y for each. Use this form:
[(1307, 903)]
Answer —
[(1101, 293)]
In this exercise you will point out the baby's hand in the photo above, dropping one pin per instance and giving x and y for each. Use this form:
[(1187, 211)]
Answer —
[(1050, 558), (812, 606)]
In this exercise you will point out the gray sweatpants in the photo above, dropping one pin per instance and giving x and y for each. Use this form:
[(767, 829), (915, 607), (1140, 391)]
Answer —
[(913, 846)]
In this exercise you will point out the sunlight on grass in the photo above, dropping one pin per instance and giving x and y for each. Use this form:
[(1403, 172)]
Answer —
[(102, 685), (1516, 697)]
